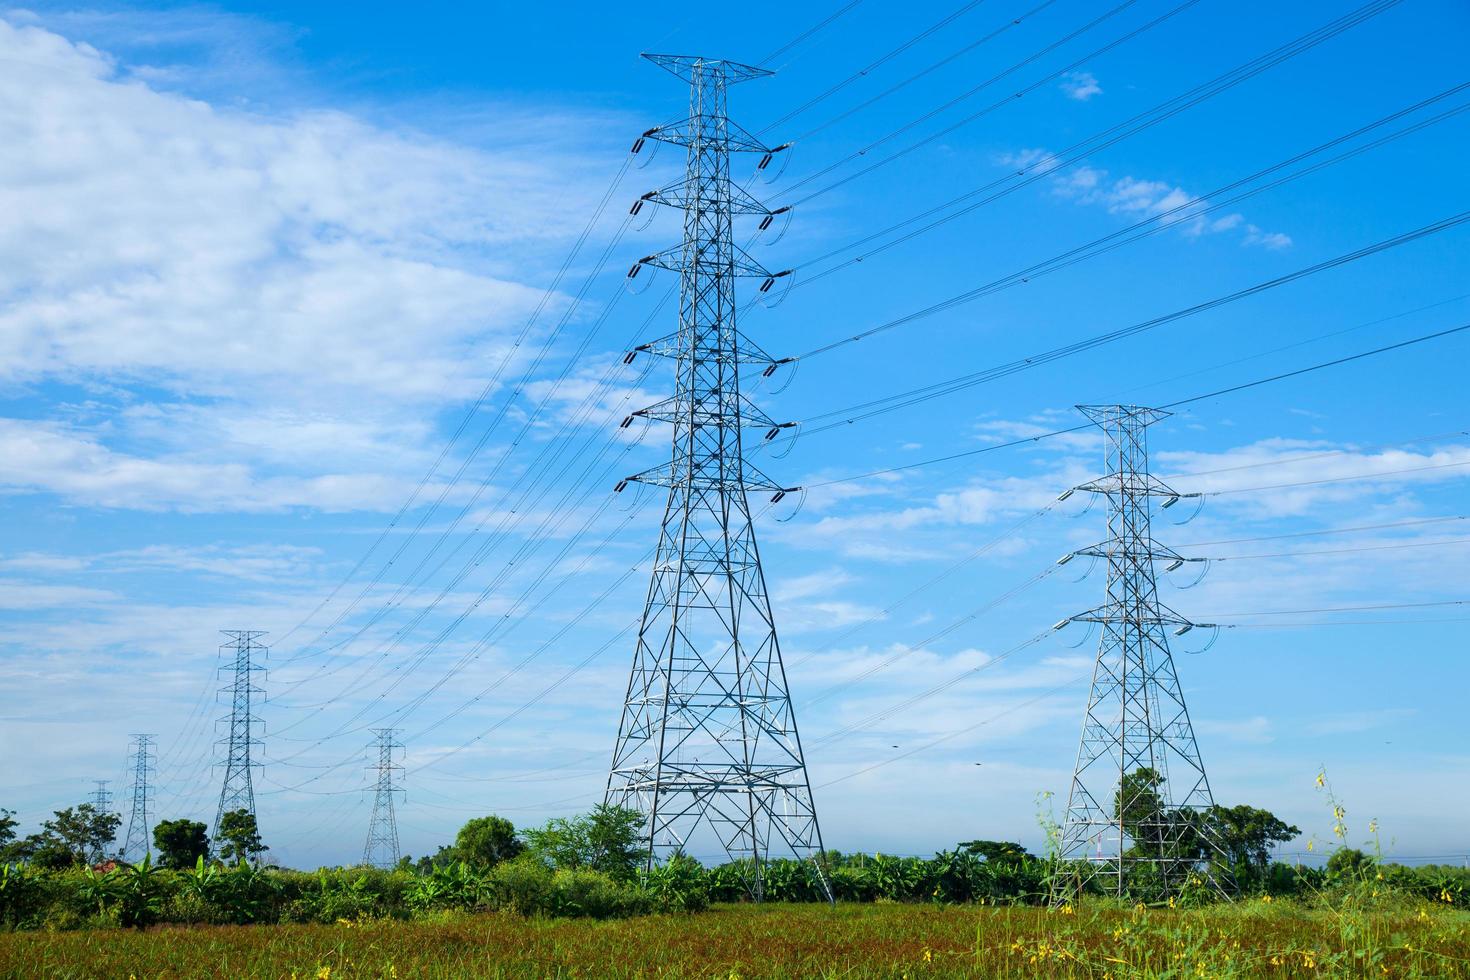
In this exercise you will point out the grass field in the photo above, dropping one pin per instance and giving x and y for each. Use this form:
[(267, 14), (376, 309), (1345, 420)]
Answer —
[(883, 940)]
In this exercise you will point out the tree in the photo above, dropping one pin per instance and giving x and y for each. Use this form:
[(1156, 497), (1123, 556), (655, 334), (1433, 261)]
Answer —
[(996, 851), (238, 837), (1246, 834), (1139, 807), (486, 841), (83, 832), (606, 840), (181, 843), (1349, 862), (7, 827)]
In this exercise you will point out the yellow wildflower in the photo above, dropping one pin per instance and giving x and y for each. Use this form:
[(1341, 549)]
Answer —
[(928, 956), (1171, 901), (1310, 846), (1446, 897), (325, 973), (1266, 899), (1373, 826), (1321, 779)]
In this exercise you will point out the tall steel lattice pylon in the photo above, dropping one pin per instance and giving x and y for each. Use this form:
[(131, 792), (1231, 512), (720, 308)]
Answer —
[(381, 849), (708, 748), (1139, 797), (238, 790), (139, 841)]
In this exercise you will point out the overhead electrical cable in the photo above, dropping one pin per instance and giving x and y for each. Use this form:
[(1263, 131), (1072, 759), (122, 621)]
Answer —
[(1188, 213), (1183, 401), (873, 66)]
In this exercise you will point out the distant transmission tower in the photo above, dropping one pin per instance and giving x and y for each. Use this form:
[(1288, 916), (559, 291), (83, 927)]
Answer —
[(102, 803), (382, 839), (1139, 790), (138, 841), (238, 790), (708, 748), (102, 796)]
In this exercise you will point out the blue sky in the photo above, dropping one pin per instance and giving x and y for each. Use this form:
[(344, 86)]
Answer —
[(259, 260)]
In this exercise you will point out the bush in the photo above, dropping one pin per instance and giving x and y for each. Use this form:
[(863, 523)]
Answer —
[(679, 885), (578, 892), (522, 885), (22, 897)]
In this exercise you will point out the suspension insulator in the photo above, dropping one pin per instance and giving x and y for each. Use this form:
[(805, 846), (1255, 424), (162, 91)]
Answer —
[(766, 222), (627, 421), (628, 357), (637, 145), (780, 494), (622, 485)]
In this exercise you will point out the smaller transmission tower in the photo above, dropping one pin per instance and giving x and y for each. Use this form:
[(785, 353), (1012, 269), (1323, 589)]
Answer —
[(102, 796), (1139, 798), (381, 849), (139, 841), (238, 790)]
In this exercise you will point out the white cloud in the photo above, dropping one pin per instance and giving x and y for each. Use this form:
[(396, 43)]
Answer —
[(1140, 198), (1080, 85), (244, 291)]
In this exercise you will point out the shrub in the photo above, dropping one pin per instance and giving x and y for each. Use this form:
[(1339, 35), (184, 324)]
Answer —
[(521, 885), (579, 892), (22, 897), (679, 885)]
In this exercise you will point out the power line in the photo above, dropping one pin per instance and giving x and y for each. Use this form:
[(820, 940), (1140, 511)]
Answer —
[(872, 66), (1029, 440), (1191, 210)]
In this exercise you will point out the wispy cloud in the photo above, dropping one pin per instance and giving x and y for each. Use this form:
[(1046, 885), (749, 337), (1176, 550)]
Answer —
[(1081, 85)]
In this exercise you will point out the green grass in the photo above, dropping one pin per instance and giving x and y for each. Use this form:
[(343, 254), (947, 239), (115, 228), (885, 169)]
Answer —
[(1278, 939)]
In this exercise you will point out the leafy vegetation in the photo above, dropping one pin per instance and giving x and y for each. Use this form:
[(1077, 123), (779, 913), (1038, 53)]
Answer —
[(180, 843)]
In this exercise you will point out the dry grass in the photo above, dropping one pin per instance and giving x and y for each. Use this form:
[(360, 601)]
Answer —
[(884, 940)]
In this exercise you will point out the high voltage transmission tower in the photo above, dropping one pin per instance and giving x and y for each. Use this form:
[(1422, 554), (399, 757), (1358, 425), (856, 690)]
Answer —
[(1137, 813), (138, 842), (102, 796), (237, 792), (707, 748), (382, 839)]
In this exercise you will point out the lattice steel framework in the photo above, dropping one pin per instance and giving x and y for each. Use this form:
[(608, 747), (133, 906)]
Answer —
[(1131, 828), (238, 790), (382, 839), (102, 796), (708, 743), (139, 841)]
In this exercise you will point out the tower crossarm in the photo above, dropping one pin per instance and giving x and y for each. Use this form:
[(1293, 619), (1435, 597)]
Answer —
[(682, 196), (679, 259), (742, 410), (746, 352)]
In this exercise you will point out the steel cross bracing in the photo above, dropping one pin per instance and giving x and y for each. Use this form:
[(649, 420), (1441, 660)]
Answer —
[(381, 849), (139, 841), (1139, 797), (708, 748), (238, 790)]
